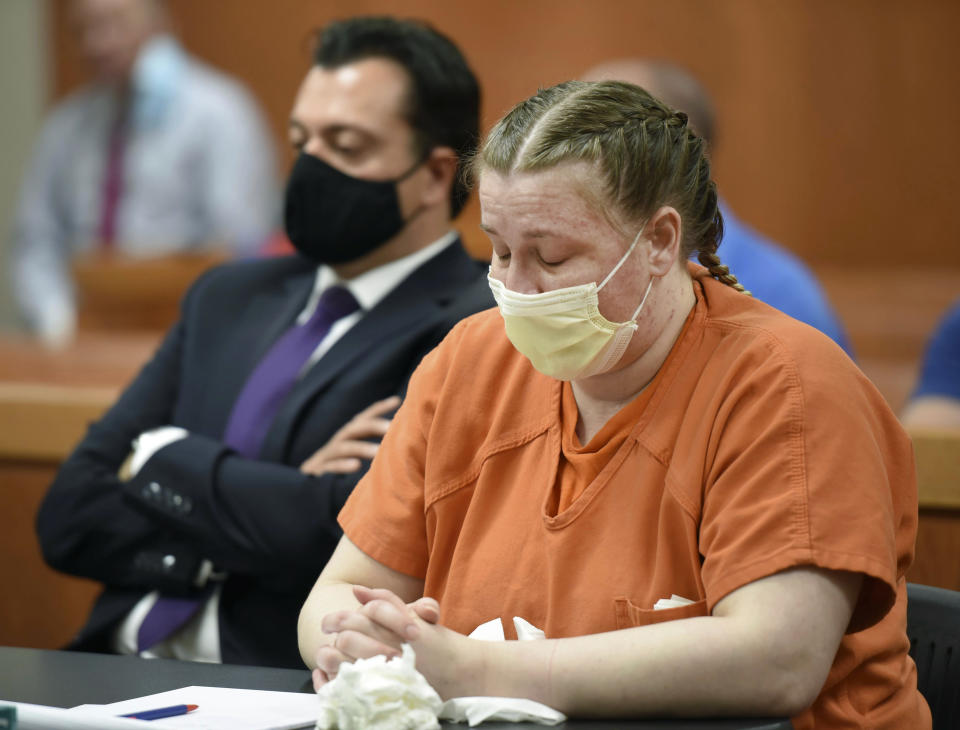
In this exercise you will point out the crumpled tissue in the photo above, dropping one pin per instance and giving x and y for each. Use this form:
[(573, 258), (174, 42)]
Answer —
[(474, 710), (379, 694)]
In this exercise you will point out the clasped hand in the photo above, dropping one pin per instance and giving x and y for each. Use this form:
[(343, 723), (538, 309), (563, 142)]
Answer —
[(382, 624), (345, 452)]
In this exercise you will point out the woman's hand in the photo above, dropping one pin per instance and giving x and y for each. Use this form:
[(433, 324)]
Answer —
[(454, 665), (380, 626)]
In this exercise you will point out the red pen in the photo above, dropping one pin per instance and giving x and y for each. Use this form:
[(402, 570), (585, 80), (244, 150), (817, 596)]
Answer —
[(161, 712)]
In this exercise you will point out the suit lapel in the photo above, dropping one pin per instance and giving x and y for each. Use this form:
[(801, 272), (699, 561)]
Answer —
[(270, 312), (417, 299)]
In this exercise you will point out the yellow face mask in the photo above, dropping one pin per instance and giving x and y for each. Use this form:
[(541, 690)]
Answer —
[(562, 332)]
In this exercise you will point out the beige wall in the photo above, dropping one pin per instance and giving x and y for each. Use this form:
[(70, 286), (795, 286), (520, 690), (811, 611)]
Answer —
[(837, 118), (24, 61)]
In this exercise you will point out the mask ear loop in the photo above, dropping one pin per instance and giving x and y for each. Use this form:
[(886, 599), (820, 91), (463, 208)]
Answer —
[(416, 165), (622, 261), (644, 300)]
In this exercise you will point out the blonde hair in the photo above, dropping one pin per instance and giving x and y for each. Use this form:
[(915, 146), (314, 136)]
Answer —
[(646, 154)]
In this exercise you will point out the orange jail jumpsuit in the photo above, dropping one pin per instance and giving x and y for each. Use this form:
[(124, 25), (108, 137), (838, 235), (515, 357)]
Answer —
[(757, 447)]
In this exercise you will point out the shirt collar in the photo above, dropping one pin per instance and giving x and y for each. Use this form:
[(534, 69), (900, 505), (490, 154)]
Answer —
[(370, 287)]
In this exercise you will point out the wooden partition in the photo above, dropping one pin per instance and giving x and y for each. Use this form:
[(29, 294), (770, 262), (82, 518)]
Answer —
[(889, 313), (938, 476), (46, 401), (119, 293), (38, 606)]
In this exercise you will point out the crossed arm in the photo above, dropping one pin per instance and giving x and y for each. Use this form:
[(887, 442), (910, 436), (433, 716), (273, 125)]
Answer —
[(766, 649), (99, 524)]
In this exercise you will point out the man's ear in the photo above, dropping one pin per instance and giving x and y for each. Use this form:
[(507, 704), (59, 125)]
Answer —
[(441, 166), (664, 231)]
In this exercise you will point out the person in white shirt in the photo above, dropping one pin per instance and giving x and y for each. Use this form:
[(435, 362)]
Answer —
[(159, 154)]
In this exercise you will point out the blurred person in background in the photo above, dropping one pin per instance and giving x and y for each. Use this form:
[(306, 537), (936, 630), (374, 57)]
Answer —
[(159, 154), (935, 402), (265, 403), (770, 272)]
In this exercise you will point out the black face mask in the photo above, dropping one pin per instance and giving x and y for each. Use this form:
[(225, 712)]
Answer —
[(333, 218)]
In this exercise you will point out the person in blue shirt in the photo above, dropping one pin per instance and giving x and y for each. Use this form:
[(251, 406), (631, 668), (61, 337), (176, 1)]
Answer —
[(936, 399), (770, 272)]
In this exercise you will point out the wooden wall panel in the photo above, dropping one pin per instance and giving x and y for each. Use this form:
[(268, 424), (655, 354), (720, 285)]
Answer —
[(836, 117), (47, 400), (38, 606)]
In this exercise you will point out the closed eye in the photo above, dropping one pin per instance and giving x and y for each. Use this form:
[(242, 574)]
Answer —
[(545, 262), (346, 151)]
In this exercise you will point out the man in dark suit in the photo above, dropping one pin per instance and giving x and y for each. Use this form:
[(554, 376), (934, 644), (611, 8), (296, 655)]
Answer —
[(261, 409)]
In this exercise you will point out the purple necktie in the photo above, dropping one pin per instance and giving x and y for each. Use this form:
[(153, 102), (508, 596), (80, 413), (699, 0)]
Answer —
[(112, 189), (165, 616), (271, 381), (253, 413)]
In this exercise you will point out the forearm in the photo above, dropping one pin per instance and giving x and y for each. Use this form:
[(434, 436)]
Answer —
[(325, 597), (43, 290), (247, 516), (333, 592), (86, 527), (698, 666), (766, 650)]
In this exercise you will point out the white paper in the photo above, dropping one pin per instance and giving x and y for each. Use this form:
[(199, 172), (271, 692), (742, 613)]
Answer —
[(41, 717), (219, 708)]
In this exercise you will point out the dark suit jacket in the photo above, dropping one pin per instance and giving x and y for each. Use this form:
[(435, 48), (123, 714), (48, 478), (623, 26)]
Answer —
[(268, 526)]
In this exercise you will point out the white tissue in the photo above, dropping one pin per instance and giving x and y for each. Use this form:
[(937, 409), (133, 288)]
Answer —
[(474, 710), (674, 601), (492, 630), (526, 631), (378, 694)]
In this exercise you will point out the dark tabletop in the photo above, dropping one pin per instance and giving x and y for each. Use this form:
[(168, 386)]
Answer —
[(67, 679)]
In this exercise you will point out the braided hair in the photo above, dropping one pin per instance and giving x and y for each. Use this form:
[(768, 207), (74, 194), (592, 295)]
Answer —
[(646, 154)]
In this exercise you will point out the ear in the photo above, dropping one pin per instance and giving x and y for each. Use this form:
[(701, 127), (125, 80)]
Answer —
[(664, 231), (441, 166)]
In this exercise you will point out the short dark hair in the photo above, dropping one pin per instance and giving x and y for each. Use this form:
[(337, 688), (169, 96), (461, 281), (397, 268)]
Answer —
[(444, 103)]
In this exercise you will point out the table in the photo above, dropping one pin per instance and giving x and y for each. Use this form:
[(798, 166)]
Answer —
[(67, 679)]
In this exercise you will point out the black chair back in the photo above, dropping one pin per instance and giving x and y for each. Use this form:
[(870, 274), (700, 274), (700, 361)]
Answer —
[(933, 626)]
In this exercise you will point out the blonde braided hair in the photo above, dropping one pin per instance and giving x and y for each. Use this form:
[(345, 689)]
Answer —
[(645, 151)]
